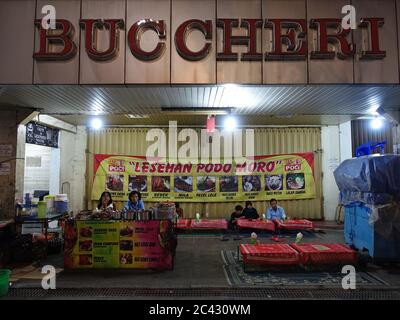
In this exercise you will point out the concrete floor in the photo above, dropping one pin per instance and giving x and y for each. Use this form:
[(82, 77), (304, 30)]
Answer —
[(198, 263), (198, 266)]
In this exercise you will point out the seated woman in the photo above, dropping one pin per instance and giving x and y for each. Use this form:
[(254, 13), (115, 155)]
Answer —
[(105, 202), (134, 203), (249, 212)]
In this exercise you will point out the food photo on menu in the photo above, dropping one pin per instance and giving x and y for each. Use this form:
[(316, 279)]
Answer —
[(126, 258), (137, 183), (161, 184), (85, 259), (86, 232), (251, 183), (126, 231), (274, 182), (206, 184), (183, 184), (126, 245), (115, 182), (228, 184), (85, 245), (295, 181)]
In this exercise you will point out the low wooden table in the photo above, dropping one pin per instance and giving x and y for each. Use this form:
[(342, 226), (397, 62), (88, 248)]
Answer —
[(263, 225), (294, 224)]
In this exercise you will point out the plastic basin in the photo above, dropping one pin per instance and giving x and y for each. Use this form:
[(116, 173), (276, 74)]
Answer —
[(4, 281)]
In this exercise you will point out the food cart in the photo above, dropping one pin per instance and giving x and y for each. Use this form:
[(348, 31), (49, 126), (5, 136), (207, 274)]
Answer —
[(110, 241)]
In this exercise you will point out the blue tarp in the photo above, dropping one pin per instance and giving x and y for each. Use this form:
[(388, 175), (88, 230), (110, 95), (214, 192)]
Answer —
[(369, 179)]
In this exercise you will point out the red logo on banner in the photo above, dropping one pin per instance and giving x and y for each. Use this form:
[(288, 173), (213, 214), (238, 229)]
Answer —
[(293, 165), (116, 168)]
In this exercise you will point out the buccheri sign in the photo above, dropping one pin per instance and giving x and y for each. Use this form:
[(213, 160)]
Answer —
[(289, 38)]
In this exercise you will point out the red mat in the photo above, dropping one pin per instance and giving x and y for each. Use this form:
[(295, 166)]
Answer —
[(325, 253), (294, 224), (183, 224), (266, 225), (269, 254), (210, 224)]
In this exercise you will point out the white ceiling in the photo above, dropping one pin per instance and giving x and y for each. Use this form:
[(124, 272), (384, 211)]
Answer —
[(300, 101)]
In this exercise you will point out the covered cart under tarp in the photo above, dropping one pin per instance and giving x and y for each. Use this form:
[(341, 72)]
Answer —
[(370, 191)]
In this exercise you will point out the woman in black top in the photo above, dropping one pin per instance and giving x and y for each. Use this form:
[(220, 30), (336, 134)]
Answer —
[(249, 212)]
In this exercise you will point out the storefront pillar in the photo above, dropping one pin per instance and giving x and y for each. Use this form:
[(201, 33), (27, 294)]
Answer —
[(10, 158), (73, 167), (396, 132), (336, 148)]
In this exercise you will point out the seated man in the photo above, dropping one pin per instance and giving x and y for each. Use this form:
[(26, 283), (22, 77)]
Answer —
[(235, 215), (275, 212)]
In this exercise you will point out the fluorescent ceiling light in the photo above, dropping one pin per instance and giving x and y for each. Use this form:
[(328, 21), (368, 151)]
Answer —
[(230, 123), (196, 111), (376, 124), (96, 123), (136, 116)]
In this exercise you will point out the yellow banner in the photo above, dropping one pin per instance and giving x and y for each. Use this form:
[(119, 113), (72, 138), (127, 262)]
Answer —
[(282, 177)]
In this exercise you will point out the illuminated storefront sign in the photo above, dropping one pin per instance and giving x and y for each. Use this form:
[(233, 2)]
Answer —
[(289, 39)]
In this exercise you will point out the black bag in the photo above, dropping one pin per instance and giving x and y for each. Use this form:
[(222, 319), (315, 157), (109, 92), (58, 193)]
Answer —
[(22, 248), (55, 245), (7, 233)]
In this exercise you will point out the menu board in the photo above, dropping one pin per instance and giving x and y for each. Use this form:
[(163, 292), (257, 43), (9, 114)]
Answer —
[(119, 244), (283, 177), (97, 244)]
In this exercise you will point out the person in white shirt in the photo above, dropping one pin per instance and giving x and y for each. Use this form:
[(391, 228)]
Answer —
[(105, 202)]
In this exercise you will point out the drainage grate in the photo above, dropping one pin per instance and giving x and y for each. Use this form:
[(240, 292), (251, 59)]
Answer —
[(188, 293)]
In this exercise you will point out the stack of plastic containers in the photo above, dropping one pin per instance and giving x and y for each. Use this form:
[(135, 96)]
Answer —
[(42, 209), (370, 191), (165, 211), (28, 200), (61, 203), (50, 203)]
